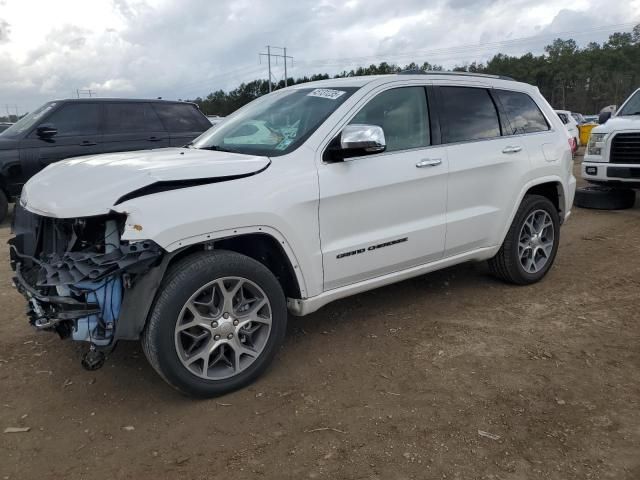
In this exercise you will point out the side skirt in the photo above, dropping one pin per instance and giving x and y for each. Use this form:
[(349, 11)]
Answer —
[(305, 306)]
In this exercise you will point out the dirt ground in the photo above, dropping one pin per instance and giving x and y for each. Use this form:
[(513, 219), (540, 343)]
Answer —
[(396, 383)]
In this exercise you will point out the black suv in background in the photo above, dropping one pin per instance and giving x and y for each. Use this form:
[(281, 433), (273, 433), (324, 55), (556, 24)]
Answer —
[(71, 128)]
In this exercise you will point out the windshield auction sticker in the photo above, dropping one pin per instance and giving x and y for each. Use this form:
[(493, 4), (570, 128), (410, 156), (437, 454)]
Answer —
[(326, 93)]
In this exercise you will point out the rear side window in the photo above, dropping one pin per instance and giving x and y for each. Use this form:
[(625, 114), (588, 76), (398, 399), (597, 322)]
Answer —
[(523, 113), (182, 117), (131, 117), (402, 114), (563, 118), (469, 114), (75, 119)]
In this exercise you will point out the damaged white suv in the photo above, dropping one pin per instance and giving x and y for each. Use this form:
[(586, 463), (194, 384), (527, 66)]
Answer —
[(309, 194)]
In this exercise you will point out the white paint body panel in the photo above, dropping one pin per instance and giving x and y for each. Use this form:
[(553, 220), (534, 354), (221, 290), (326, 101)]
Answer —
[(615, 125), (457, 211), (571, 126)]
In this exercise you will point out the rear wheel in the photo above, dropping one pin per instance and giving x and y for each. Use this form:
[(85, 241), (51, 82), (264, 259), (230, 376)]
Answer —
[(602, 197), (217, 323), (531, 244)]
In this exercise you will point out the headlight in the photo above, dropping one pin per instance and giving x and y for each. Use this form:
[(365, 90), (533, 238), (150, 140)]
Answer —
[(596, 144)]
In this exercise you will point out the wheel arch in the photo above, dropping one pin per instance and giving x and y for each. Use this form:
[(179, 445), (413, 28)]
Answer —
[(548, 187), (257, 244)]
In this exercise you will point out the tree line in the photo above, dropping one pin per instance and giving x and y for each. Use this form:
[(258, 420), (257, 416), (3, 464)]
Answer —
[(571, 78)]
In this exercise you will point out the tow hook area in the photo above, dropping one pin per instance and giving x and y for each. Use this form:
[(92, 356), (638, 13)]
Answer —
[(93, 359)]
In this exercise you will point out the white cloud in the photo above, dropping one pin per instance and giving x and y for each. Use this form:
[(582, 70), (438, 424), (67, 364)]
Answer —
[(182, 49)]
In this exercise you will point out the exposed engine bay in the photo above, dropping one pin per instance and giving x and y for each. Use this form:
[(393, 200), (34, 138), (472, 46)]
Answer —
[(75, 273)]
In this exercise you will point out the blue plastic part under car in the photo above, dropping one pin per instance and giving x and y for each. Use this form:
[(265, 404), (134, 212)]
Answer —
[(108, 294)]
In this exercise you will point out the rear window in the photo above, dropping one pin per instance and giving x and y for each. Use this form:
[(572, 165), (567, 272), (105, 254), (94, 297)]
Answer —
[(523, 113), (182, 117), (469, 113), (131, 117)]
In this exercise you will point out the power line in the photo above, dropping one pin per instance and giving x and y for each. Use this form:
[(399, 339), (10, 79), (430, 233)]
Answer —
[(284, 56), (468, 48)]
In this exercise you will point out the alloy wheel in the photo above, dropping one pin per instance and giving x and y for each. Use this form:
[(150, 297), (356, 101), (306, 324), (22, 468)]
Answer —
[(223, 328), (536, 241)]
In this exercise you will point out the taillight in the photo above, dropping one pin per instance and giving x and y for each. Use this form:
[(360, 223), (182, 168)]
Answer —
[(573, 144)]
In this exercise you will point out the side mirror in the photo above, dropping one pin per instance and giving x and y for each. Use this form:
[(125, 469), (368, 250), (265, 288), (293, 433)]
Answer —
[(603, 117), (46, 131), (361, 139), (356, 141)]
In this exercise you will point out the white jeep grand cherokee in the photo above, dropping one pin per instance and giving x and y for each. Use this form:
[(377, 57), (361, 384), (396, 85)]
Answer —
[(613, 153), (309, 194)]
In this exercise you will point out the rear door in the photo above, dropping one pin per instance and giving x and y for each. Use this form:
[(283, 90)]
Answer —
[(78, 134), (183, 121), (486, 168), (132, 126)]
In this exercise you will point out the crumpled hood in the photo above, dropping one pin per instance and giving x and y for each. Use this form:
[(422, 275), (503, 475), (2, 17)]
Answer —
[(618, 124), (87, 186)]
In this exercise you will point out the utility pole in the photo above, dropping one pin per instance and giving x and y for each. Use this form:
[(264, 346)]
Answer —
[(86, 91), (283, 55), (269, 60), (285, 67)]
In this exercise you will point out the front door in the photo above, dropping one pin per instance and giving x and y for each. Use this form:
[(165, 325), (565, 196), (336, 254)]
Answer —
[(385, 212), (77, 126)]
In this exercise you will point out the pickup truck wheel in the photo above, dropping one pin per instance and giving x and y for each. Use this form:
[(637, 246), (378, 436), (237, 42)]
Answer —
[(531, 244), (217, 323), (605, 198), (4, 206)]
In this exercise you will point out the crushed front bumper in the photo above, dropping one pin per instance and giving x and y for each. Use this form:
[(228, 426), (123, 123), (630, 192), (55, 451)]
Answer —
[(47, 311), (73, 273)]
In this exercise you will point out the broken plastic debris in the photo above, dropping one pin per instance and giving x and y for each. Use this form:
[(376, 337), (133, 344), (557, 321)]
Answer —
[(492, 436), (16, 429)]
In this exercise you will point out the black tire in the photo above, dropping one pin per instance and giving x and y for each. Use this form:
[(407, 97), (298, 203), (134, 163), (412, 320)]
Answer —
[(506, 264), (602, 197), (183, 280), (4, 206)]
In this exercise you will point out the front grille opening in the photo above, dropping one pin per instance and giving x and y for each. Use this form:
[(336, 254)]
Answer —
[(625, 148)]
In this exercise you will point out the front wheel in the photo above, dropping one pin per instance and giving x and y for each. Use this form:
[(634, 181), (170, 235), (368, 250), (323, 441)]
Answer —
[(217, 323), (531, 244)]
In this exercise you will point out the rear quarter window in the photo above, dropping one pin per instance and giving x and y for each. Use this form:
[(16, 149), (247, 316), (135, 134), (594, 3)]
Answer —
[(182, 117), (522, 112)]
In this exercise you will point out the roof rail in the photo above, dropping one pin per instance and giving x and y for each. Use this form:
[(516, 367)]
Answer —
[(464, 74)]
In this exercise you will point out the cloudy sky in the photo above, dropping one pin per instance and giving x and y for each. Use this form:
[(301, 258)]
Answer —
[(186, 48)]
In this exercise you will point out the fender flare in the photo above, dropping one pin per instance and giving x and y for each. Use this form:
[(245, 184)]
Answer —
[(523, 191), (239, 231)]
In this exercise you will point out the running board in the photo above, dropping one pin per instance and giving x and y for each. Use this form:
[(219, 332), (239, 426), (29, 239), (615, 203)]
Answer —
[(305, 306)]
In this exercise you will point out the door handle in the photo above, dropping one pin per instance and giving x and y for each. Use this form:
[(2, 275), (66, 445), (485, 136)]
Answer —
[(154, 139), (429, 162), (87, 143), (512, 149)]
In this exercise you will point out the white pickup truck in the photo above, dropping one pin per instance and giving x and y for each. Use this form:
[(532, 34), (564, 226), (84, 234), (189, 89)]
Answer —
[(306, 195), (612, 158), (613, 152)]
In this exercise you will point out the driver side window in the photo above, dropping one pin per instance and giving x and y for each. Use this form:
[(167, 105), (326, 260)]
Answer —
[(75, 119), (402, 114)]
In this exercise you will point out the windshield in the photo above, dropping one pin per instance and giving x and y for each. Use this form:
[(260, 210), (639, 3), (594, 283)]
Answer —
[(632, 107), (275, 124), (28, 121)]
